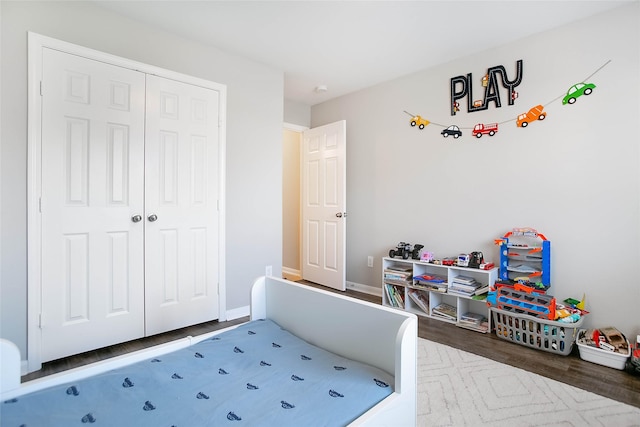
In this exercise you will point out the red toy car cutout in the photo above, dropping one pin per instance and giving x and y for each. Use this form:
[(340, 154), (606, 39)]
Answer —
[(480, 129)]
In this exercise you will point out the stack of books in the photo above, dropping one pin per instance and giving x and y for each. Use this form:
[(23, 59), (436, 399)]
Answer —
[(474, 321), (398, 275), (467, 286), (395, 295), (420, 298), (445, 311), (396, 278), (430, 282)]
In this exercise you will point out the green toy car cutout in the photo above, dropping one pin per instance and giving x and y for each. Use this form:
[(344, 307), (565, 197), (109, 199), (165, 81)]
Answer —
[(576, 91)]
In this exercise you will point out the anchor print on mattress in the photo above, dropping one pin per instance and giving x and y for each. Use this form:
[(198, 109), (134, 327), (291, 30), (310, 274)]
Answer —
[(127, 383), (237, 350), (148, 406), (380, 383), (89, 418), (201, 395), (176, 376), (286, 405), (231, 416), (252, 386), (73, 391), (303, 357), (334, 393), (198, 355), (296, 378)]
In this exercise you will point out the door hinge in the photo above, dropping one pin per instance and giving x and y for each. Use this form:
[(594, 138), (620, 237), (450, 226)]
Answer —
[(40, 320), (40, 204), (40, 87)]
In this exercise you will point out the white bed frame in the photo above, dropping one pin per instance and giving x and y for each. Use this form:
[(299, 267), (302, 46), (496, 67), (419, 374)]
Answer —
[(359, 330)]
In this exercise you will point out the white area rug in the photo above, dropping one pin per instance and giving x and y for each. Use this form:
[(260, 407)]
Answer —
[(456, 388)]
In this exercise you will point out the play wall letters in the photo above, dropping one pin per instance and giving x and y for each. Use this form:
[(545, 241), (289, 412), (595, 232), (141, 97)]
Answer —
[(462, 86)]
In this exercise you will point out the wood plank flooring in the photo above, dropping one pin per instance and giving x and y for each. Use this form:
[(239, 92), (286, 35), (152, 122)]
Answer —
[(608, 382)]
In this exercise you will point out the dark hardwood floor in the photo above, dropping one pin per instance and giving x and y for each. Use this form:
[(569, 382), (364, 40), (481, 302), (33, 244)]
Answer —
[(608, 382)]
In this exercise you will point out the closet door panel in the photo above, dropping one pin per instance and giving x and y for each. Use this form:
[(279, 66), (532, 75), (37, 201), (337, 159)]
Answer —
[(92, 284), (181, 196)]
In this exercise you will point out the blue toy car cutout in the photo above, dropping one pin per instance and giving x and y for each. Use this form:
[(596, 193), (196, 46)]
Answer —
[(576, 91)]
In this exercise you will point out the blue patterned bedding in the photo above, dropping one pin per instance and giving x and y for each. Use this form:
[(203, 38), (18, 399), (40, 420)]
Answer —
[(255, 375)]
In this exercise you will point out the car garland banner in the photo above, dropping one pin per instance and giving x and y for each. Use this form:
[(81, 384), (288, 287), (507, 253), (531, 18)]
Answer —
[(523, 120)]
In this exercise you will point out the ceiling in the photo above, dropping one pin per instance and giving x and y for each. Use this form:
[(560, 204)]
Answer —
[(350, 45)]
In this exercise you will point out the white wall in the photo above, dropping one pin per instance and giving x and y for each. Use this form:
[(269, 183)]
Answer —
[(574, 176), (296, 113), (254, 139)]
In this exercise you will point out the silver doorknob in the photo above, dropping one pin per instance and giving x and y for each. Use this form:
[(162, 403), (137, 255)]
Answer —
[(136, 218), (339, 215), (152, 217)]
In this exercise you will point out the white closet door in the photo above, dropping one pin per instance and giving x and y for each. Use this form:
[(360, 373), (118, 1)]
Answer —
[(92, 185), (181, 196)]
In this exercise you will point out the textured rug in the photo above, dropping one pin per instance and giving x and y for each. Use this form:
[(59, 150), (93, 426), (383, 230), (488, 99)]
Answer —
[(457, 388)]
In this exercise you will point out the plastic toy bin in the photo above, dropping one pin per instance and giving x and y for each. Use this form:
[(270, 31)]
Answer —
[(602, 357), (535, 332)]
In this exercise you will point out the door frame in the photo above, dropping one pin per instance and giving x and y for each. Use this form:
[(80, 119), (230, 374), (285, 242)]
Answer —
[(36, 43), (299, 130)]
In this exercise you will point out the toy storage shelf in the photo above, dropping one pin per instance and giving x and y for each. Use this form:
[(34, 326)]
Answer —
[(400, 291)]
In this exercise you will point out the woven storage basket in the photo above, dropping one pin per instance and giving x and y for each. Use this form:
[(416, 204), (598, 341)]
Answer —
[(547, 335)]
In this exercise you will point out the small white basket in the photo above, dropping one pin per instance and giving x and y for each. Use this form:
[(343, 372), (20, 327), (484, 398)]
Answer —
[(602, 357)]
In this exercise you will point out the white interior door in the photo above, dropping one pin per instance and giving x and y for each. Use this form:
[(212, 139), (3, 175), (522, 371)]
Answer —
[(92, 281), (181, 205), (324, 205)]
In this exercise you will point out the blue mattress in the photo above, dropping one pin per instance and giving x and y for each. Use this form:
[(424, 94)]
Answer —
[(257, 374)]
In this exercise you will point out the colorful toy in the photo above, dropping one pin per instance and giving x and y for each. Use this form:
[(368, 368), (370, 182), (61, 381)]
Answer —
[(523, 299), (576, 91), (405, 250), (426, 256), (452, 130), (463, 260), (486, 266), (481, 129), (476, 258), (419, 121), (529, 259), (532, 115)]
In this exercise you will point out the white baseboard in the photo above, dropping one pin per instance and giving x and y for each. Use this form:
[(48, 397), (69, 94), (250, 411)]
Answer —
[(239, 312), (358, 287)]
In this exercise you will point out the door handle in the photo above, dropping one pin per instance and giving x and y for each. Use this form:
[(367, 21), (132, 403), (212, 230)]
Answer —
[(152, 217), (339, 215), (136, 218)]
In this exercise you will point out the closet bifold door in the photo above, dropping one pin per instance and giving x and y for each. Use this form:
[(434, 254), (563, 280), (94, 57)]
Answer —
[(181, 195), (92, 177)]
